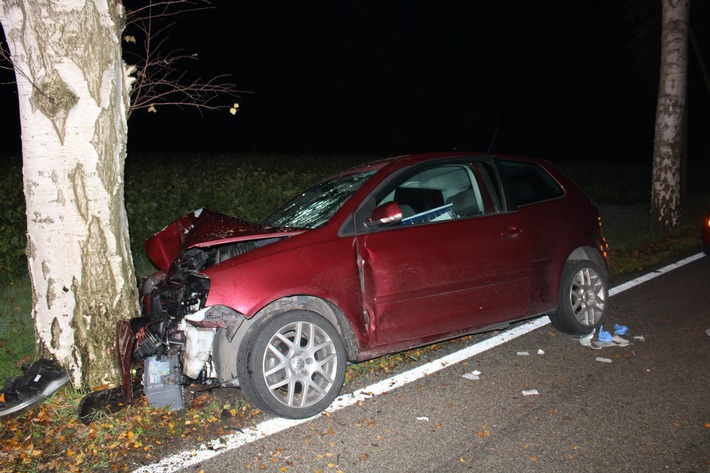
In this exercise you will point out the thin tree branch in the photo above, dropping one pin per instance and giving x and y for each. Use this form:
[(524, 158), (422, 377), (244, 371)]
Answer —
[(159, 79)]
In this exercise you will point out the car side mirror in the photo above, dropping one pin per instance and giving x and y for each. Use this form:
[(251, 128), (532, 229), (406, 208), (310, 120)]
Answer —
[(389, 212)]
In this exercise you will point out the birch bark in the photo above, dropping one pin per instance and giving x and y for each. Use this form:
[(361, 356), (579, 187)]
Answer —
[(668, 142), (73, 95)]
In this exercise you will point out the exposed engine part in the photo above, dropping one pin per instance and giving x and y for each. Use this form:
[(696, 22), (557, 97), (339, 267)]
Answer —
[(163, 382), (147, 344), (198, 259), (173, 338), (197, 350)]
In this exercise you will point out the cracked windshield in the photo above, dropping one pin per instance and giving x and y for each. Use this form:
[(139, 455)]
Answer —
[(315, 206)]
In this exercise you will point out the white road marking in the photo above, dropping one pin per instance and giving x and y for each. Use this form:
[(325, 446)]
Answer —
[(648, 276), (269, 427)]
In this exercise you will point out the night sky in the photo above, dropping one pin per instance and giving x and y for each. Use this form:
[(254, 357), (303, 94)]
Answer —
[(561, 80)]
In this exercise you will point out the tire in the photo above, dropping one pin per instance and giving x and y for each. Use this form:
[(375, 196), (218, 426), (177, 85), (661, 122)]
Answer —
[(292, 364), (583, 301)]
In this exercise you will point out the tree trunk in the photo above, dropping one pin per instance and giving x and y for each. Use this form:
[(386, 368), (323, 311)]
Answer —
[(73, 94), (668, 144)]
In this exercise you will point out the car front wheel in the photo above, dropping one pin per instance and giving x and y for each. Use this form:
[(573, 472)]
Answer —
[(292, 364), (583, 300)]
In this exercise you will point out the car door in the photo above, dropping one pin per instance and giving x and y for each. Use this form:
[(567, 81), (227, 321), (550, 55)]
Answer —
[(451, 263)]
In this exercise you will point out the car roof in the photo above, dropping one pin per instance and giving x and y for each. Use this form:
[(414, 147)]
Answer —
[(408, 159)]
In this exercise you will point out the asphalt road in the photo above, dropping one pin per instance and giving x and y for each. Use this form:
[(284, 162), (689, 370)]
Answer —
[(646, 410)]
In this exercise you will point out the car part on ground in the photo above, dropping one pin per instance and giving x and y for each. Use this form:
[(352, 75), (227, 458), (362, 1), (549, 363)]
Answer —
[(378, 259)]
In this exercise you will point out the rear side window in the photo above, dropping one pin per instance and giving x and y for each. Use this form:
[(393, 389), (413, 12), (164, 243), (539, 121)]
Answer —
[(529, 183)]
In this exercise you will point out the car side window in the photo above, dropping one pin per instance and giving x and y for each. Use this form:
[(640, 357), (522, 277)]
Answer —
[(529, 183), (435, 194)]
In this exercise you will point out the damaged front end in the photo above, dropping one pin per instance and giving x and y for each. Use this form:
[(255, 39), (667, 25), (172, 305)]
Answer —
[(170, 345), (173, 338)]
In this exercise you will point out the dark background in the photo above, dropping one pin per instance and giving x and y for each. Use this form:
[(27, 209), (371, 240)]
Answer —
[(560, 80)]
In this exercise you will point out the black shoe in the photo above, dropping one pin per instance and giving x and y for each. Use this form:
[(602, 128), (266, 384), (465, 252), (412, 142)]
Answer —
[(44, 378)]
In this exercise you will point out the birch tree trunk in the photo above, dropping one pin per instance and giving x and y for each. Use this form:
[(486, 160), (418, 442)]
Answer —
[(668, 143), (73, 93)]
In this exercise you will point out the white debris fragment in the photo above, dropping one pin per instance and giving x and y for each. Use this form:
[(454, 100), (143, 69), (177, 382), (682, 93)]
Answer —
[(523, 353), (707, 332), (641, 338), (619, 341), (530, 392), (540, 352), (586, 341), (604, 360), (473, 375), (423, 418)]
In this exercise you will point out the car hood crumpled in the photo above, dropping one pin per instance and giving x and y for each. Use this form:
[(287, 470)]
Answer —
[(204, 227)]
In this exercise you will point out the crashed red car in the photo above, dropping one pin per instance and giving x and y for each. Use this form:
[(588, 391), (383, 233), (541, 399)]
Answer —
[(378, 259)]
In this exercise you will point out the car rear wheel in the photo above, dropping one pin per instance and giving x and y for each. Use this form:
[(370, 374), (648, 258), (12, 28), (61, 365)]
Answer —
[(583, 300), (292, 364)]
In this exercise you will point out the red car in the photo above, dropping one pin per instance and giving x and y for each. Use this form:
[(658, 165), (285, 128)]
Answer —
[(378, 259)]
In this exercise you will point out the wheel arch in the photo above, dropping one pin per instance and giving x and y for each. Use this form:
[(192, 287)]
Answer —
[(553, 276), (226, 347), (590, 254)]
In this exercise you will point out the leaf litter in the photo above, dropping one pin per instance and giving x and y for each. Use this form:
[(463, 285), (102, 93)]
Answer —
[(50, 437)]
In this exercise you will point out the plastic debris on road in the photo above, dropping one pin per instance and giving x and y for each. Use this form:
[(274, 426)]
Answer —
[(530, 392), (527, 353), (604, 360), (473, 375), (620, 329), (606, 339), (586, 340)]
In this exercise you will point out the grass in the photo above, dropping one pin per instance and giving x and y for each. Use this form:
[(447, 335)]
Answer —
[(16, 328), (158, 189)]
